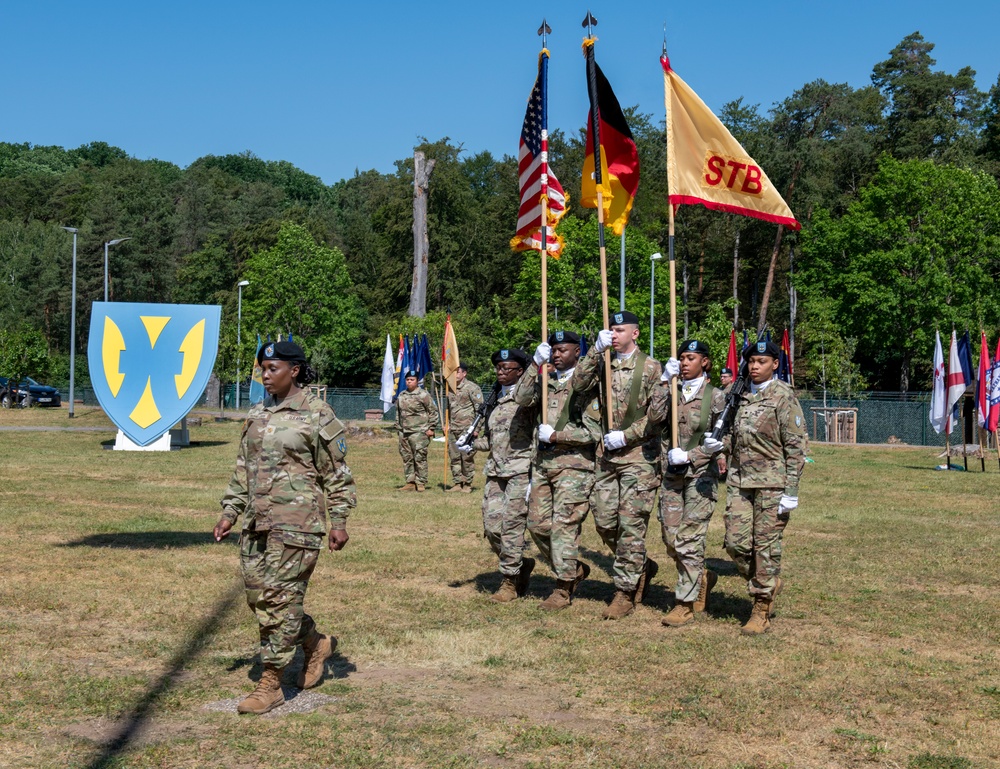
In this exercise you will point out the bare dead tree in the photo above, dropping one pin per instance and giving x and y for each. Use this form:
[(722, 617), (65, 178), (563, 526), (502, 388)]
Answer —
[(422, 169)]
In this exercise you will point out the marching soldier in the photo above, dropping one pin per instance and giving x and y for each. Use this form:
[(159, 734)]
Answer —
[(626, 474), (462, 405), (689, 489), (508, 438), (767, 452), (416, 420), (562, 476)]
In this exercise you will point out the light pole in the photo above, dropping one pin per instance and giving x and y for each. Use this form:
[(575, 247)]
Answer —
[(652, 277), (109, 243), (72, 324), (239, 329)]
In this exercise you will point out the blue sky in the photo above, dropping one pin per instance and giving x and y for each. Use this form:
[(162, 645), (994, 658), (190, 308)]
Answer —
[(334, 87)]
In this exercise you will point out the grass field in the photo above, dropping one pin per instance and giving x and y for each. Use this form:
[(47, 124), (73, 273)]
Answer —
[(119, 615)]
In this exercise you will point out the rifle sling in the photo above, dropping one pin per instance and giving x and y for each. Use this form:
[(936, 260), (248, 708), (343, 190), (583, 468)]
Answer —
[(704, 418), (632, 412)]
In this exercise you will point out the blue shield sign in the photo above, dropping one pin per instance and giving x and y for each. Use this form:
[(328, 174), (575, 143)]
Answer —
[(150, 363)]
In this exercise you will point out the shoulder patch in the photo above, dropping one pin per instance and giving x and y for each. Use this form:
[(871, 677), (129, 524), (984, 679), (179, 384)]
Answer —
[(798, 421), (334, 434)]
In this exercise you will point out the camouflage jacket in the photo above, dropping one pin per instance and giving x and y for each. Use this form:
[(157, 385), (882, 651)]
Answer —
[(290, 470), (688, 421), (642, 437), (768, 441), (415, 412), (509, 437), (573, 446), (462, 405)]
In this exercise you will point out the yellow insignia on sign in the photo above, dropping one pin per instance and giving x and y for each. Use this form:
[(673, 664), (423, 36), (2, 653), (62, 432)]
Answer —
[(154, 326), (191, 347), (112, 347), (145, 412)]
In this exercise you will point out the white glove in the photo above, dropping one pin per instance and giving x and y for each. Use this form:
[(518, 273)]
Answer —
[(527, 492), (711, 445), (786, 504), (614, 440), (677, 457), (542, 353), (545, 433), (465, 448), (603, 340), (671, 369)]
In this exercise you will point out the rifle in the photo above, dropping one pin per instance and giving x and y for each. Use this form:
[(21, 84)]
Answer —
[(740, 385), (482, 412)]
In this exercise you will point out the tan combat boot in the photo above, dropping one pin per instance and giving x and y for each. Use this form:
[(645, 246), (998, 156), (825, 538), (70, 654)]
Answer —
[(759, 622), (648, 572), (582, 572), (523, 576), (708, 580), (454, 489), (506, 592), (467, 488), (267, 696), (621, 605), (681, 614), (407, 487), (318, 648), (778, 585), (420, 487), (560, 598)]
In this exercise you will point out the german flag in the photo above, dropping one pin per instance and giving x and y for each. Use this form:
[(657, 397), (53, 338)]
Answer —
[(618, 179)]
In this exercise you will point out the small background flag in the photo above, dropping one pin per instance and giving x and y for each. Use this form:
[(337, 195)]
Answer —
[(955, 384), (449, 356), (535, 179), (939, 408), (619, 156), (388, 390), (408, 365), (785, 359), (995, 392), (426, 365), (584, 347), (732, 361), (257, 391), (983, 384), (706, 165)]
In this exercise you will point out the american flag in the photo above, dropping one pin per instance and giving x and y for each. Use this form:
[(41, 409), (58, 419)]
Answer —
[(534, 177)]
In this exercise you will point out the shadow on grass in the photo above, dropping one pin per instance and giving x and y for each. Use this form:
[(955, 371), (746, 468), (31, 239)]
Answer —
[(149, 540), (144, 708), (109, 445)]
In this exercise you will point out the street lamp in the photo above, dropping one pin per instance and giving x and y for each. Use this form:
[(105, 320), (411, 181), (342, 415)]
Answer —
[(72, 324), (239, 328), (652, 276), (109, 243)]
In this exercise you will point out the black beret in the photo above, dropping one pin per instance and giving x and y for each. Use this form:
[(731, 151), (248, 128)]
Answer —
[(560, 337), (518, 356), (623, 317), (410, 373), (726, 371), (762, 348), (693, 345), (281, 351)]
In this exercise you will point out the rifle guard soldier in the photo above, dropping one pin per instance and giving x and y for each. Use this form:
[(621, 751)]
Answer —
[(562, 474), (767, 446), (689, 489), (462, 405), (626, 473), (509, 439)]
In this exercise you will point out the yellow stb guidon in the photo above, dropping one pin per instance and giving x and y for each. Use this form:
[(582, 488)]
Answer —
[(150, 363)]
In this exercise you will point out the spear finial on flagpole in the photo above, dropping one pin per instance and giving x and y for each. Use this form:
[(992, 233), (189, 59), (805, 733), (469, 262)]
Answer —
[(664, 40), (590, 22), (544, 31)]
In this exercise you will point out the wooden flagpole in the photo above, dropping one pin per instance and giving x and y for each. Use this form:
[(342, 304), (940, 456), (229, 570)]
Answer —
[(674, 428), (595, 133), (447, 430)]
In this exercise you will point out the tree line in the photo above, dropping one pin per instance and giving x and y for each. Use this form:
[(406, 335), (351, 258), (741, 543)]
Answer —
[(895, 184)]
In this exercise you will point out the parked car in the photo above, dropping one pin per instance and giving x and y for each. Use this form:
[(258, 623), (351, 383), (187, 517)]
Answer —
[(12, 396)]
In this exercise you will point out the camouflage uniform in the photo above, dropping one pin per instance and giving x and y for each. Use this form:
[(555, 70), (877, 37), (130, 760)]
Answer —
[(627, 478), (767, 448), (687, 499), (462, 406), (509, 439), (290, 475), (562, 476), (415, 415)]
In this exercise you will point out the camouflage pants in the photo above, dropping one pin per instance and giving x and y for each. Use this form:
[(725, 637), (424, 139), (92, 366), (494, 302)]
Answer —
[(505, 518), (559, 503), (622, 500), (686, 507), (413, 450), (753, 536), (276, 570), (463, 466)]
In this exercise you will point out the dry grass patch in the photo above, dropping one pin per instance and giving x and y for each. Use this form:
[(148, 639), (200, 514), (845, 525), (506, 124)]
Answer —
[(115, 602)]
